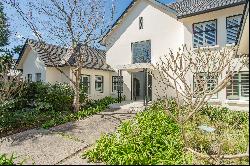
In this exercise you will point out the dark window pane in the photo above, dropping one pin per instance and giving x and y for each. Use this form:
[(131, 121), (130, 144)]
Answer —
[(234, 21), (232, 35), (233, 27), (204, 34), (141, 52)]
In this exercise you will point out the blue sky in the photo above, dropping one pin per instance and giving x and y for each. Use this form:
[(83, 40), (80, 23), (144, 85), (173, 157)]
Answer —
[(19, 32)]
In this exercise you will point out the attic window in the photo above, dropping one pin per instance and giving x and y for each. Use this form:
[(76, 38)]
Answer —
[(140, 22)]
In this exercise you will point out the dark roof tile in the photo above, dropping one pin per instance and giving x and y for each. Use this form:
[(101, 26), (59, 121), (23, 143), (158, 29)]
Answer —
[(48, 53), (187, 8)]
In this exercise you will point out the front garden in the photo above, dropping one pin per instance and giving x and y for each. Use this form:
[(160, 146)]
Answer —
[(152, 137), (44, 105)]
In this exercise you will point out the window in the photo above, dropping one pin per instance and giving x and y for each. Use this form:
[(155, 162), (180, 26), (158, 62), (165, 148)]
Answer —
[(115, 83), (238, 89), (205, 83), (233, 27), (141, 52), (204, 34), (29, 77), (99, 84), (38, 77), (140, 22), (85, 82)]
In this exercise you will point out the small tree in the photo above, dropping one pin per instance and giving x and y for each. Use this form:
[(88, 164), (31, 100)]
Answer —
[(75, 24), (211, 70), (4, 31), (10, 83), (10, 79)]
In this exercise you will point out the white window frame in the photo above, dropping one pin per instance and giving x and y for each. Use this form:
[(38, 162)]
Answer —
[(239, 84), (99, 80), (88, 82)]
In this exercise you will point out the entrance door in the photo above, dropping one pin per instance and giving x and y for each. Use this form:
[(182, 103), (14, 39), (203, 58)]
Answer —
[(136, 88)]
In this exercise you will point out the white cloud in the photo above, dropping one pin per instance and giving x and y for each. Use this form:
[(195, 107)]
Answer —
[(18, 35)]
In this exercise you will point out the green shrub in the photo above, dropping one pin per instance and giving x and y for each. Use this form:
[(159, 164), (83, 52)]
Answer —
[(46, 97), (151, 138), (4, 160), (90, 108)]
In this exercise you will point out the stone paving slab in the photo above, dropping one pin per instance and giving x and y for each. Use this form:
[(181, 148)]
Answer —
[(39, 146), (63, 144), (91, 128)]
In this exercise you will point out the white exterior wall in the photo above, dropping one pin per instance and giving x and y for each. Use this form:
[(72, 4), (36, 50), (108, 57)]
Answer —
[(33, 65), (165, 32), (159, 27), (221, 16), (107, 89), (54, 76)]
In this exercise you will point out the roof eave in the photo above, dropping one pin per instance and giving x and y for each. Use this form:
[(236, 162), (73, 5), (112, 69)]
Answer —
[(21, 54), (211, 10)]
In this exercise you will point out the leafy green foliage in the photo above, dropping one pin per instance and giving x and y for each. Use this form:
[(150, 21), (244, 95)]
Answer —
[(4, 32), (232, 132), (46, 97), (92, 107), (151, 138), (45, 105), (4, 160)]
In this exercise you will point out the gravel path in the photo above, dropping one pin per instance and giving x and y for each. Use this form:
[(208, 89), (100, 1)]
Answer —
[(64, 144)]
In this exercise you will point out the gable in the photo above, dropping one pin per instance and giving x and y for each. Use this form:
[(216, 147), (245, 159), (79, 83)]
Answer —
[(132, 9), (23, 56)]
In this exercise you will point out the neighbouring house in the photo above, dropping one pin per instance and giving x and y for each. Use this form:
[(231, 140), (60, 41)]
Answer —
[(36, 66), (147, 29)]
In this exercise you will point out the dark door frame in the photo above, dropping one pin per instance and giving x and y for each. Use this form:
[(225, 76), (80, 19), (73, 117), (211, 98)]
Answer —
[(146, 90)]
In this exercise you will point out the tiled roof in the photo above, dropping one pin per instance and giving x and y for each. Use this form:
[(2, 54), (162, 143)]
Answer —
[(94, 58), (186, 8)]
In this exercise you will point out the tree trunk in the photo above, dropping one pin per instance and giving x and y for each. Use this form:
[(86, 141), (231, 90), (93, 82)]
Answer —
[(76, 102)]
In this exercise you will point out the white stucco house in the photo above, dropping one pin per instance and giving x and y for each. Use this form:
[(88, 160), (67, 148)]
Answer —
[(36, 66), (145, 31), (148, 29)]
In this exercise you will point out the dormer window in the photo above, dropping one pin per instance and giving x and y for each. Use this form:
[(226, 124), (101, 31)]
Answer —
[(140, 23)]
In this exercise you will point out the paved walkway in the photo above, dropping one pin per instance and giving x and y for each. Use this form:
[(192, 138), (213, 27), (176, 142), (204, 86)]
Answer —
[(64, 144)]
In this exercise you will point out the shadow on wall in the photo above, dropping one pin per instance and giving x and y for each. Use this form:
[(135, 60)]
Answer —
[(161, 87)]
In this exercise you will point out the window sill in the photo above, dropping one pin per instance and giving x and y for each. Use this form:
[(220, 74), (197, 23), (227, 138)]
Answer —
[(241, 102), (230, 45), (214, 101), (207, 47)]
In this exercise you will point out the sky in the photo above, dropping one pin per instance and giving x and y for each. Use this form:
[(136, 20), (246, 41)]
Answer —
[(20, 32)]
